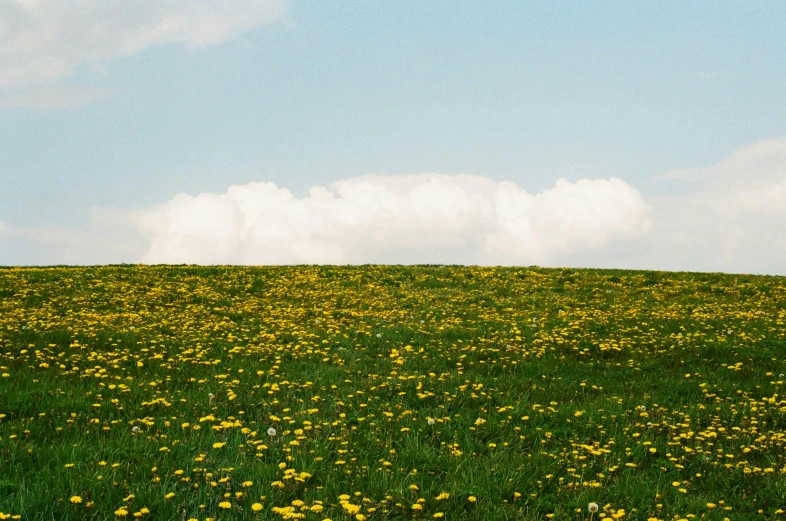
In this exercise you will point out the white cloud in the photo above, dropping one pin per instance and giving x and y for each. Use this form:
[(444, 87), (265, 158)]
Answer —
[(110, 236), (763, 161), (751, 179), (45, 41), (769, 198), (51, 97), (393, 219), (730, 216)]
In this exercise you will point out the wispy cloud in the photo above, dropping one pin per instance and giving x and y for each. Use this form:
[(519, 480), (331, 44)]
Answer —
[(45, 42), (51, 97), (110, 236), (764, 160), (728, 216)]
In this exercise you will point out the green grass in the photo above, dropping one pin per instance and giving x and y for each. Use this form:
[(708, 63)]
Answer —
[(535, 379)]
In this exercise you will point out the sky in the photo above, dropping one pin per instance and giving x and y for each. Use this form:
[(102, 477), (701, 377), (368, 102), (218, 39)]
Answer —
[(635, 135)]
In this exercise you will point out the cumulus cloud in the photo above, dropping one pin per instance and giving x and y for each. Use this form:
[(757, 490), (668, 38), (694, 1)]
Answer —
[(45, 41), (52, 97), (730, 216), (424, 218)]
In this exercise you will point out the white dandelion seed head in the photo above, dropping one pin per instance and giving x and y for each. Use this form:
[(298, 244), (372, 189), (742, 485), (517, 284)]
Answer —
[(271, 431), (210, 395), (132, 328), (643, 408), (431, 421), (135, 428), (422, 321), (379, 335), (592, 507)]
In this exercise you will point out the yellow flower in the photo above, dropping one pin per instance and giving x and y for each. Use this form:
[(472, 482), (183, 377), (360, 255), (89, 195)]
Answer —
[(121, 512), (76, 499), (472, 498), (225, 505), (170, 495), (218, 444), (256, 507)]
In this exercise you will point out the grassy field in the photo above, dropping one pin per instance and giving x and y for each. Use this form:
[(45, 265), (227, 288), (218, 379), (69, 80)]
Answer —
[(365, 393)]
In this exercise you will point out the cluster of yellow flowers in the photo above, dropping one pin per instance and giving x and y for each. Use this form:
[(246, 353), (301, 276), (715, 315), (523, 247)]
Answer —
[(305, 392)]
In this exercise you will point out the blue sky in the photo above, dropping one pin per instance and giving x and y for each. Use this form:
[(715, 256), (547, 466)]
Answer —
[(305, 94)]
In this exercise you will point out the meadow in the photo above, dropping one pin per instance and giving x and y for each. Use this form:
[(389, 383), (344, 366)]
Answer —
[(384, 392)]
